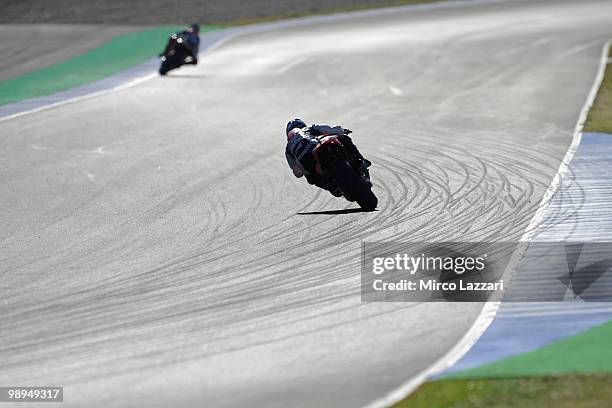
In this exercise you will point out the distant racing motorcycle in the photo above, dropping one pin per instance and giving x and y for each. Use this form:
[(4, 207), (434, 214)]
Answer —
[(178, 54)]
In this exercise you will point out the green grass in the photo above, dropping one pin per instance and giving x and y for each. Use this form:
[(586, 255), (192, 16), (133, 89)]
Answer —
[(572, 372), (586, 352), (600, 116), (120, 53), (567, 391)]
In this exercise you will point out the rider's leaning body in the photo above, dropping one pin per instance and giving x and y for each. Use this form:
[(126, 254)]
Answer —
[(301, 142), (191, 37)]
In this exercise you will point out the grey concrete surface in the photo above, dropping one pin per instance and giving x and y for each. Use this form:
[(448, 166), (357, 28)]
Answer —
[(171, 11), (26, 47), (156, 251)]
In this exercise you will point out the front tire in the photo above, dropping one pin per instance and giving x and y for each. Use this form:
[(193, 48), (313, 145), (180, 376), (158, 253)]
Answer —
[(172, 61), (165, 67)]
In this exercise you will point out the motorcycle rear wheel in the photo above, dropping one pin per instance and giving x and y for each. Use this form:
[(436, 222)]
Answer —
[(353, 186)]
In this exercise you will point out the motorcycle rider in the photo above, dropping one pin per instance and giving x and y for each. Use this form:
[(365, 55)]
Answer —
[(301, 142), (191, 40)]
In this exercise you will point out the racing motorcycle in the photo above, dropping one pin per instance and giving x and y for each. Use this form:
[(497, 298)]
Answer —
[(333, 161), (177, 55)]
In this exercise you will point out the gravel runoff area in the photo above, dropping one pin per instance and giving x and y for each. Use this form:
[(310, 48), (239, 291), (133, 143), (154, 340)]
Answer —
[(172, 11)]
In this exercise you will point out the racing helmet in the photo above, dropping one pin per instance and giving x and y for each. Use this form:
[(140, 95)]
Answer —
[(195, 28), (295, 123)]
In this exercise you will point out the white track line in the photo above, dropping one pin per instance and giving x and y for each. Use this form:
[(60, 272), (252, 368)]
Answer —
[(467, 341), (126, 85), (564, 166), (490, 309)]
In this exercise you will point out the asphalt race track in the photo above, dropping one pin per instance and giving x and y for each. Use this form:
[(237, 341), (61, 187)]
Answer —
[(157, 251)]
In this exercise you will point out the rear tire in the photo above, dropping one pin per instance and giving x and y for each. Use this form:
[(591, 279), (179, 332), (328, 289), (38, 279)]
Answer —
[(353, 186), (368, 200)]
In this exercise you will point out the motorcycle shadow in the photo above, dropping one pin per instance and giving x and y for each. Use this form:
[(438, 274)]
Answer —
[(336, 212), (186, 76)]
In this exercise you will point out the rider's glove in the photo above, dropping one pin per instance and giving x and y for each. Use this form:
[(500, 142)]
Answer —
[(347, 131)]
